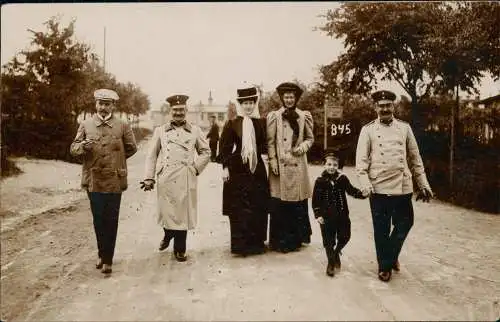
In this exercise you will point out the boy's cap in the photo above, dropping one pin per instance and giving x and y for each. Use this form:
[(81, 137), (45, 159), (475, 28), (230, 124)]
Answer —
[(331, 155)]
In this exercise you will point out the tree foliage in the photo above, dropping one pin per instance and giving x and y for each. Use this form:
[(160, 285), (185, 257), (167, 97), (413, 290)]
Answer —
[(46, 88), (425, 47)]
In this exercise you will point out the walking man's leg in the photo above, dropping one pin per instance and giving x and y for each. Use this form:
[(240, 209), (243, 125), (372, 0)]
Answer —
[(402, 219), (381, 216), (97, 208), (180, 245)]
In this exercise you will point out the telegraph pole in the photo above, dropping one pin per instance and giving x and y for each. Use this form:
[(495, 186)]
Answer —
[(104, 58)]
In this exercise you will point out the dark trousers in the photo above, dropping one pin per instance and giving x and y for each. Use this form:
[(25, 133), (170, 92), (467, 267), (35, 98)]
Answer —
[(105, 212), (388, 244), (335, 230), (179, 236), (213, 150)]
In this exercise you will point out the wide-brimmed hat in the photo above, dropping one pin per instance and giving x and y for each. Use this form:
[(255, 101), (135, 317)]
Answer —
[(289, 87), (247, 93)]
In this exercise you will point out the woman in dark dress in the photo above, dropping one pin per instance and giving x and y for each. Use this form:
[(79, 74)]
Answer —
[(246, 191)]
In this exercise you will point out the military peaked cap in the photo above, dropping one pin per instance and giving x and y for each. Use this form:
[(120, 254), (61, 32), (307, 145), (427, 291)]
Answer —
[(175, 100), (383, 97)]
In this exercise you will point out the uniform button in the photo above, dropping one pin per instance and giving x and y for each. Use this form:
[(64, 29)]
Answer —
[(378, 136), (381, 153), (284, 139), (380, 144)]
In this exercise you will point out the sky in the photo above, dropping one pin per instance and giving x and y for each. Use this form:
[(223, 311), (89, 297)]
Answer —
[(194, 48)]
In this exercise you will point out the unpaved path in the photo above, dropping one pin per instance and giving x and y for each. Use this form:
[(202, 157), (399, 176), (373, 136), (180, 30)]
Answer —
[(450, 268)]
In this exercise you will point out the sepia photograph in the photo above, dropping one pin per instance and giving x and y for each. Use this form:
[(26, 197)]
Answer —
[(250, 161)]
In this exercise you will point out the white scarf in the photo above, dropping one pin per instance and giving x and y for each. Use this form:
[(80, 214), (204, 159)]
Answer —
[(249, 145)]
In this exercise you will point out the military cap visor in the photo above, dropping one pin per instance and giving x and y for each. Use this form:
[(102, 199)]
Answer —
[(289, 87), (104, 94), (176, 100), (383, 97)]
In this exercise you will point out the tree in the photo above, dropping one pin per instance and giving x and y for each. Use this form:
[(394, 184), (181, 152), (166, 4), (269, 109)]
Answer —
[(409, 43)]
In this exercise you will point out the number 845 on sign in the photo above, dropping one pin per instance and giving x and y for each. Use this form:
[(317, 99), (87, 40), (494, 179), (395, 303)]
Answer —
[(338, 129)]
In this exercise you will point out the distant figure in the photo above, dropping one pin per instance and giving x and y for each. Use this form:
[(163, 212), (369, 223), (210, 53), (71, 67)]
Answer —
[(105, 142), (385, 147), (246, 190), (289, 137), (330, 207), (213, 138), (177, 142)]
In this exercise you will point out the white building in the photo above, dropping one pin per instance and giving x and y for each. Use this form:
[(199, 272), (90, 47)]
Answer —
[(198, 114)]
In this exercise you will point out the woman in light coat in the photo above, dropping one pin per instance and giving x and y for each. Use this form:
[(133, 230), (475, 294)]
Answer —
[(289, 137)]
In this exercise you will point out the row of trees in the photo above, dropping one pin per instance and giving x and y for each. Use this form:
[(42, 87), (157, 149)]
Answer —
[(47, 87)]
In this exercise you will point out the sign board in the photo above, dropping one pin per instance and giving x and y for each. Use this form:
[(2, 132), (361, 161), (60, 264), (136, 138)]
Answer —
[(333, 110), (341, 133)]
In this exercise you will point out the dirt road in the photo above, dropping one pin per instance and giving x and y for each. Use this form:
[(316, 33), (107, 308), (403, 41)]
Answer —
[(450, 264)]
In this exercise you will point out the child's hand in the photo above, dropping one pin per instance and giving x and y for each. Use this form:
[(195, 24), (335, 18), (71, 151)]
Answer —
[(320, 220)]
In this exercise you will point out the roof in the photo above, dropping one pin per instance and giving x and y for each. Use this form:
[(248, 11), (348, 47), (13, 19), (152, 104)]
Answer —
[(490, 99)]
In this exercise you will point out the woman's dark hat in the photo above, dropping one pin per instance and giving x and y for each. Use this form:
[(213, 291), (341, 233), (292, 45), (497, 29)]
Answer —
[(245, 94), (289, 87)]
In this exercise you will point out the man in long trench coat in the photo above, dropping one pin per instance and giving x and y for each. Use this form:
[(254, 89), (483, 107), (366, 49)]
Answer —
[(175, 145)]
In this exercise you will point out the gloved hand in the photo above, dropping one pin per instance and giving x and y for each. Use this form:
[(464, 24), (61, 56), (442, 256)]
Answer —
[(425, 195), (298, 150), (273, 164), (147, 184)]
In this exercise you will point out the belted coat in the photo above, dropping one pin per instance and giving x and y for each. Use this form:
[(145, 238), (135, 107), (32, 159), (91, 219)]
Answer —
[(182, 153)]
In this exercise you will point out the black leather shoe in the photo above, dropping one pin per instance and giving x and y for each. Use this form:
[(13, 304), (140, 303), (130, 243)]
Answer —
[(164, 244), (337, 264), (99, 264), (330, 269), (106, 269), (180, 257), (385, 276)]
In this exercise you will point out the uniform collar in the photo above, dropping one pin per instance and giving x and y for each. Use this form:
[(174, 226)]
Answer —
[(386, 124), (100, 121), (171, 126)]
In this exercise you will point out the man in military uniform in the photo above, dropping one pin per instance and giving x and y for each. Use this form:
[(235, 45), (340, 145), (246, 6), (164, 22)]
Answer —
[(177, 144), (105, 142), (213, 138), (387, 156)]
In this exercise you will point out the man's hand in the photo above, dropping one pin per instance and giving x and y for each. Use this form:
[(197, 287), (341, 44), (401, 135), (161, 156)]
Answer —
[(147, 184), (88, 144), (320, 220), (425, 195)]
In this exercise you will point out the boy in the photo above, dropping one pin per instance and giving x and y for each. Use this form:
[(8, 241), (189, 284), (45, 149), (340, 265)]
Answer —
[(331, 211)]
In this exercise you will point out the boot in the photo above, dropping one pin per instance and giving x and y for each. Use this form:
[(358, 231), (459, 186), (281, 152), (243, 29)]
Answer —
[(330, 268), (336, 259)]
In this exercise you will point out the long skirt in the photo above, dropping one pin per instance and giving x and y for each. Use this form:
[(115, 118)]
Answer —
[(289, 225), (247, 209)]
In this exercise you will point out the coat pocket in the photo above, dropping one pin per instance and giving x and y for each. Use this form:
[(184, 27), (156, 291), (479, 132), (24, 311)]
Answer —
[(104, 180), (122, 174)]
